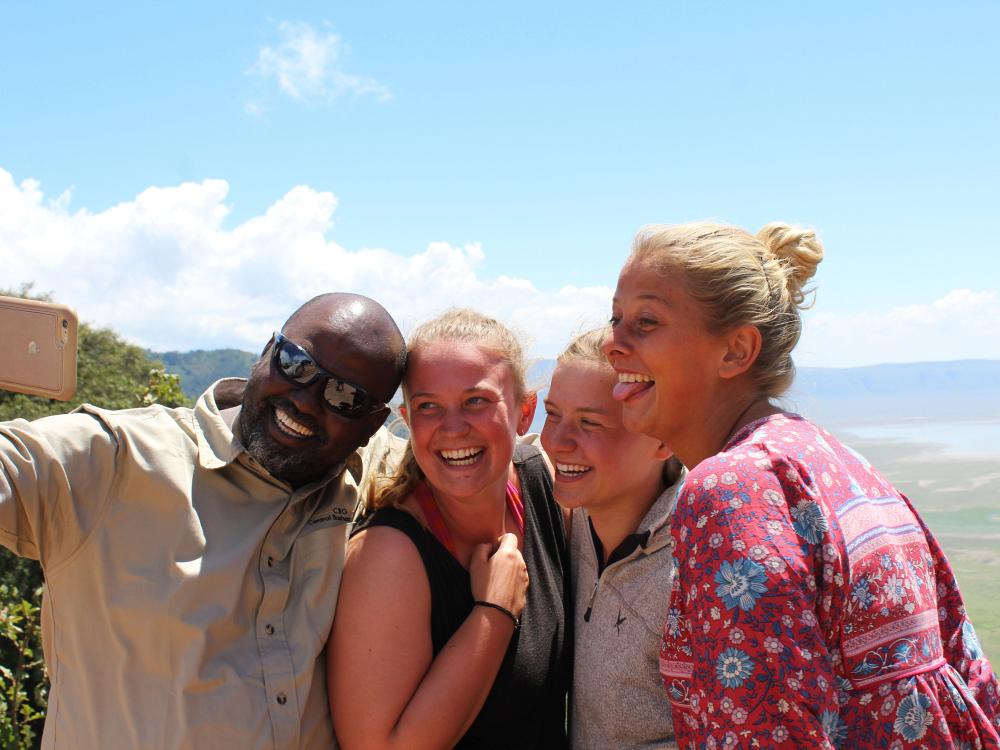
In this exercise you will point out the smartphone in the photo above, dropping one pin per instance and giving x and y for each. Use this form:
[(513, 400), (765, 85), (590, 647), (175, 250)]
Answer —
[(37, 348)]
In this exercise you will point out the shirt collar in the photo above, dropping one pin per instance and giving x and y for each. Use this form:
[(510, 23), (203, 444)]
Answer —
[(628, 545), (657, 518), (217, 445)]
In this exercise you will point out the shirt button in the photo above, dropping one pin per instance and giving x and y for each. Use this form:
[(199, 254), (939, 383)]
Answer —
[(282, 699), (269, 629)]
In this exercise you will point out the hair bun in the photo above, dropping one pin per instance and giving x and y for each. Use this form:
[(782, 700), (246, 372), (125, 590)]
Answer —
[(799, 251)]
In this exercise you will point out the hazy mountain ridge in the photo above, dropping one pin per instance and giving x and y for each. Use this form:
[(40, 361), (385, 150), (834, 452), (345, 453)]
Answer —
[(896, 379), (959, 390)]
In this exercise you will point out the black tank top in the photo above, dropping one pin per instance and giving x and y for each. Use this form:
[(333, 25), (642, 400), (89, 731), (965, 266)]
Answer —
[(526, 708)]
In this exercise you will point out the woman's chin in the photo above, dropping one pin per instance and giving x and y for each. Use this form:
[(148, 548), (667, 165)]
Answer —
[(637, 419)]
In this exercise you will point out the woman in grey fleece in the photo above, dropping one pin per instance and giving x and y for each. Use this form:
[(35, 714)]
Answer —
[(621, 488)]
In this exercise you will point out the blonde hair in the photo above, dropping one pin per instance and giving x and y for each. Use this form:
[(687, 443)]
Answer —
[(587, 348), (739, 279), (463, 326)]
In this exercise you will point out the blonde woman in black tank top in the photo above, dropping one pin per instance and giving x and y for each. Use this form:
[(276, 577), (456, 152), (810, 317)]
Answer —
[(439, 640)]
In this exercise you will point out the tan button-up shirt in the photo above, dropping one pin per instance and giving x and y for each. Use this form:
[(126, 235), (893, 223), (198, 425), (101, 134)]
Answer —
[(189, 593)]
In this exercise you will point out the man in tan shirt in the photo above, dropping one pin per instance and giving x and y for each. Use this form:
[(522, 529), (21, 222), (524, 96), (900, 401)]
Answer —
[(192, 557)]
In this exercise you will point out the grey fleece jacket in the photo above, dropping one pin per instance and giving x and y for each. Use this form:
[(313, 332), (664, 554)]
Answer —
[(618, 700)]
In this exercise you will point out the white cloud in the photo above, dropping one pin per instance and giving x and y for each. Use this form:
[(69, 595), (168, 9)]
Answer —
[(165, 271), (963, 324), (307, 66)]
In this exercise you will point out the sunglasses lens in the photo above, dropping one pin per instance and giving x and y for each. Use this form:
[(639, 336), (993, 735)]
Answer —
[(344, 397), (294, 363)]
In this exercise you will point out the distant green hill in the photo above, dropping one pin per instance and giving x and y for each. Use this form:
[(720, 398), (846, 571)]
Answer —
[(199, 369)]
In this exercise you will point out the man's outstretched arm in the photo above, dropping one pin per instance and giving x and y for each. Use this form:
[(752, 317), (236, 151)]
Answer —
[(55, 478)]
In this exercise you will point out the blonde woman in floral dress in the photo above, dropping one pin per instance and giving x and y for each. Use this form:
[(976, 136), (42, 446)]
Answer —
[(811, 606)]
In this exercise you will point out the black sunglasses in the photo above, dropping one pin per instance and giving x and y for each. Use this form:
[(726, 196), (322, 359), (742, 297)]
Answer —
[(342, 397)]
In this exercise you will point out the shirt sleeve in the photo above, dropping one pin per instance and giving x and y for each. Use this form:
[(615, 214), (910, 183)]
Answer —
[(743, 613), (962, 648), (56, 475)]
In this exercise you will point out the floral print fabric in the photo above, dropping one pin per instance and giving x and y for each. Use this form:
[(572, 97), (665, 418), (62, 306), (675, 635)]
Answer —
[(812, 607)]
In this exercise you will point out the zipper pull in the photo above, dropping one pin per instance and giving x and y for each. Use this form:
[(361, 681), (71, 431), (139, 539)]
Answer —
[(590, 604)]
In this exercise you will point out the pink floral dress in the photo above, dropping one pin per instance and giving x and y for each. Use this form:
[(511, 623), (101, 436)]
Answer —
[(812, 607)]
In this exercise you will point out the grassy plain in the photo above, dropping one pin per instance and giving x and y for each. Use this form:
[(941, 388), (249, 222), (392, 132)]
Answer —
[(959, 498)]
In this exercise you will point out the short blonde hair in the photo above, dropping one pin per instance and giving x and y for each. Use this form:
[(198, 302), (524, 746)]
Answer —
[(587, 347), (464, 326), (740, 279), (467, 326)]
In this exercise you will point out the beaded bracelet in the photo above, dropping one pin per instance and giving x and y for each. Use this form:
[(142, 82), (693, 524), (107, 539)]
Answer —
[(491, 605)]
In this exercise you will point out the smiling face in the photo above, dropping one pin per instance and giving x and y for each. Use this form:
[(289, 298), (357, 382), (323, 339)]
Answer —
[(464, 416), (287, 427), (599, 464), (666, 359)]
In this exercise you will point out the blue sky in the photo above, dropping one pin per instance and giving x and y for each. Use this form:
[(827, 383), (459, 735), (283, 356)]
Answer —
[(187, 173)]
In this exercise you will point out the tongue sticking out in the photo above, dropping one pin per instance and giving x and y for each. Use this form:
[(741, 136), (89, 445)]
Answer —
[(625, 391)]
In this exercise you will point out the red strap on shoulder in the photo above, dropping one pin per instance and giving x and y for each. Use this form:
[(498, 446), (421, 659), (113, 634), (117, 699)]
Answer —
[(516, 506), (435, 521), (432, 515)]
